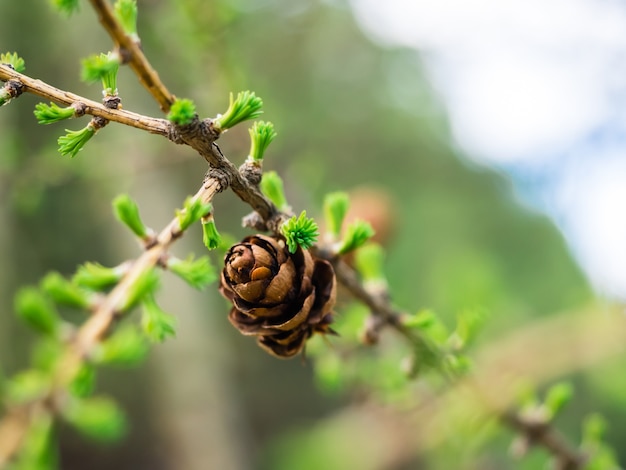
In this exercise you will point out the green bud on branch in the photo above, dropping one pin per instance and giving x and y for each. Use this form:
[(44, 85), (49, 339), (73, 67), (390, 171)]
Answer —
[(66, 6), (557, 397), (357, 234), (126, 13), (145, 284), (15, 61), (335, 209), (210, 236), (198, 273), (182, 112), (35, 310), (37, 450), (72, 142), (369, 262), (272, 186), (193, 210), (246, 106), (64, 292), (46, 353), (429, 324), (125, 347), (103, 67), (468, 325), (157, 324), (5, 96), (27, 386), (261, 136), (84, 381), (127, 212), (301, 231), (47, 114), (97, 277), (99, 418)]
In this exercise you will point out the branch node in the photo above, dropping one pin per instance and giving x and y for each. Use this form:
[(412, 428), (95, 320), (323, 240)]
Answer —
[(210, 129), (111, 102), (254, 221), (14, 87), (252, 172), (124, 54), (80, 108), (99, 122), (223, 177)]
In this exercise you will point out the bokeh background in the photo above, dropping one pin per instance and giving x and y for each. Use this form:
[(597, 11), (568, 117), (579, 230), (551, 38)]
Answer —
[(389, 103)]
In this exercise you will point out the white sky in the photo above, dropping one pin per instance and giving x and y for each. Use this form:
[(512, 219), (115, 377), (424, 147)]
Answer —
[(532, 85)]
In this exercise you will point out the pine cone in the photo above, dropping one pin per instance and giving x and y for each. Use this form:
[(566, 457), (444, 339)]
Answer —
[(281, 298)]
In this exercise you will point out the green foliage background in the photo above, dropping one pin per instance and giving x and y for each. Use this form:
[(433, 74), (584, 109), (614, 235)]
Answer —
[(349, 113)]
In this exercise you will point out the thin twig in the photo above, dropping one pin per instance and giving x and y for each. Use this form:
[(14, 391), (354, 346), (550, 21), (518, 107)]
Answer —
[(130, 50), (201, 137), (543, 434), (15, 424), (93, 108)]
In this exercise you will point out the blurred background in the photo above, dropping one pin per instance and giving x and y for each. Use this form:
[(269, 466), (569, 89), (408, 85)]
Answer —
[(487, 136)]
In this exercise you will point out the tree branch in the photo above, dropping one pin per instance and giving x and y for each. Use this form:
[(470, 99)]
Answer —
[(200, 136), (541, 433), (131, 53), (37, 87), (538, 433), (15, 423)]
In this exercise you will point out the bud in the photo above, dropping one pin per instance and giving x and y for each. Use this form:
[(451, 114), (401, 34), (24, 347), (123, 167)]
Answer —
[(280, 297)]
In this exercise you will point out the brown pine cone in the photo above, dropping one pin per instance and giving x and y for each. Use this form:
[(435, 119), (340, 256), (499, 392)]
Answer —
[(280, 297)]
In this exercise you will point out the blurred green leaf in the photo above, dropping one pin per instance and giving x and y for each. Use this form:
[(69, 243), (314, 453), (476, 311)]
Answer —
[(144, 285), (32, 307), (157, 324), (66, 6), (126, 13), (125, 347), (37, 451), (369, 262), (13, 60), (198, 273), (557, 397), (335, 208), (84, 382), (127, 212), (357, 233), (193, 210), (97, 277), (27, 386), (429, 323), (272, 186), (103, 67), (98, 418), (64, 292)]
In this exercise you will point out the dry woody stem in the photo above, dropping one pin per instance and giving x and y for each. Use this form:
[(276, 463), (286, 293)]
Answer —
[(130, 51), (93, 108)]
